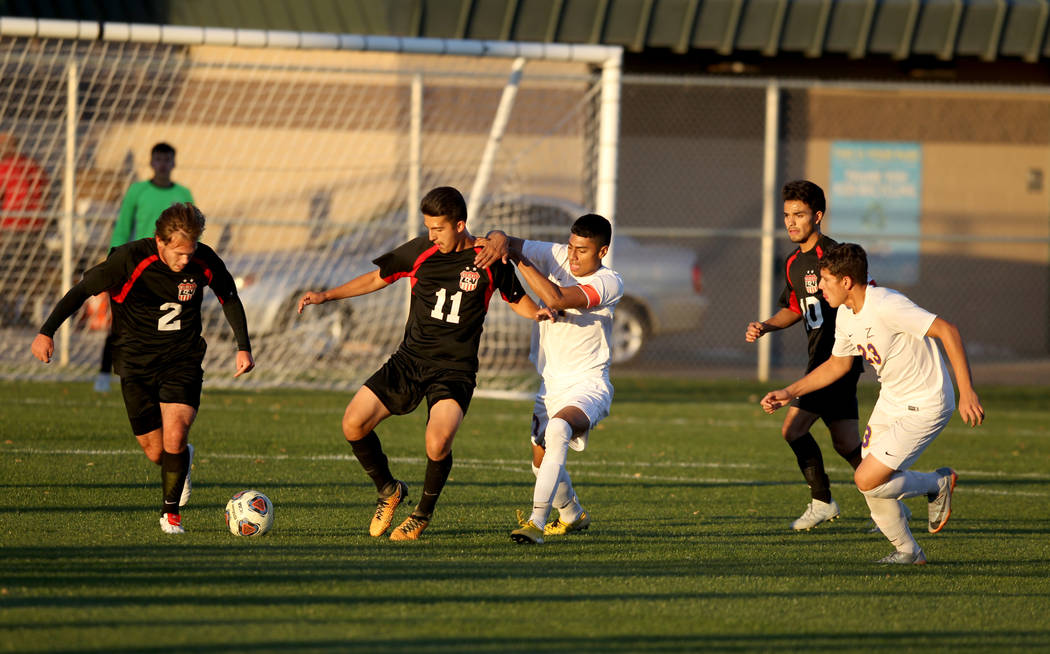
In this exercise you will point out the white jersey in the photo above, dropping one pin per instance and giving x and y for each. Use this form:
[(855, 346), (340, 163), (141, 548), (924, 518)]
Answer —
[(890, 333), (577, 345)]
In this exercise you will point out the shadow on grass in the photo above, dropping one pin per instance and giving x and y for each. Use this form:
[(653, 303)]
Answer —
[(895, 641)]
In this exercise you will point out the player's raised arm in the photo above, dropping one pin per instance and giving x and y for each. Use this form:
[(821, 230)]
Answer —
[(361, 285), (969, 404), (497, 246), (554, 296)]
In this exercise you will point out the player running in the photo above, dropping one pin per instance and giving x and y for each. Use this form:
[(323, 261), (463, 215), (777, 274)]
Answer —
[(916, 400), (438, 358), (157, 286), (836, 405), (572, 356)]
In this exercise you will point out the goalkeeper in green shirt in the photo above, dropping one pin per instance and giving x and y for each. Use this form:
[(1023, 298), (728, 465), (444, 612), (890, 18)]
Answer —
[(142, 205)]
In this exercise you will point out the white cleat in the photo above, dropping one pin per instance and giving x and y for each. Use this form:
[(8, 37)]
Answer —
[(905, 558), (941, 503), (187, 486), (816, 513), (171, 523)]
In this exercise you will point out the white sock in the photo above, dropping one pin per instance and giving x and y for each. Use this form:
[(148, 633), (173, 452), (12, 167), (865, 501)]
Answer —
[(565, 499), (556, 443), (888, 515), (905, 484)]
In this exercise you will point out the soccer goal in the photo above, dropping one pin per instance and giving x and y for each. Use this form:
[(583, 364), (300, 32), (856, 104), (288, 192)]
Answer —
[(308, 153)]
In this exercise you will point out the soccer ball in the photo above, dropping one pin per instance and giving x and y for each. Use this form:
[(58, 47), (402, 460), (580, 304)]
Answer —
[(249, 513)]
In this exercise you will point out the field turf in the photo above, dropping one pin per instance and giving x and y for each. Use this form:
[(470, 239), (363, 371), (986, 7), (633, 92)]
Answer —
[(689, 484)]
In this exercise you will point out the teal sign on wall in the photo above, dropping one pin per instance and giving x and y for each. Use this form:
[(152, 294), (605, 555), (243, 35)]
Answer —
[(874, 201)]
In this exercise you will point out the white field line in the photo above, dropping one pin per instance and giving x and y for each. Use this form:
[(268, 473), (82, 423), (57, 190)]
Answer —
[(591, 467)]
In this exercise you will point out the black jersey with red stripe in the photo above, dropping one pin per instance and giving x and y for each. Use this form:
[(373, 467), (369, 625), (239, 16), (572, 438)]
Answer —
[(157, 311), (801, 295), (450, 297)]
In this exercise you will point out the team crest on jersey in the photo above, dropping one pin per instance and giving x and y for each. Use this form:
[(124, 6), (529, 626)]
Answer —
[(468, 279), (186, 290), (811, 280)]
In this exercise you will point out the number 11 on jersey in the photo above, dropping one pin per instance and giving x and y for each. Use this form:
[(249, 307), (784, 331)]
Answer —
[(453, 313)]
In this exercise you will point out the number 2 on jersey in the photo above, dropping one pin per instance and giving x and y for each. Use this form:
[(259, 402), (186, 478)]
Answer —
[(453, 312), (168, 322)]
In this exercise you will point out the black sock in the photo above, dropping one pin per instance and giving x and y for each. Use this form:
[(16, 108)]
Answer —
[(811, 463), (107, 355), (369, 452), (173, 469), (437, 475), (854, 458)]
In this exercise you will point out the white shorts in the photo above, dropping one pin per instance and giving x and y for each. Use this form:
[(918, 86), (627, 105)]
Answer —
[(592, 396), (896, 437)]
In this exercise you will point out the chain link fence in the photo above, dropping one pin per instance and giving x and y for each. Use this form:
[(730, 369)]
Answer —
[(944, 186)]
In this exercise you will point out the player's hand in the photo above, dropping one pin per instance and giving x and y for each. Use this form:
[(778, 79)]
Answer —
[(970, 409), (311, 297), (494, 247), (545, 313), (245, 362), (754, 331), (774, 400), (43, 347)]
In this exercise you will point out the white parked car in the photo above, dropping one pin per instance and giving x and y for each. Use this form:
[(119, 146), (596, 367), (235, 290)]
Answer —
[(661, 282)]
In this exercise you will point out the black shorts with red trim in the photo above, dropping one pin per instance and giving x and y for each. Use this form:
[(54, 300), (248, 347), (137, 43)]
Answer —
[(178, 383), (403, 382)]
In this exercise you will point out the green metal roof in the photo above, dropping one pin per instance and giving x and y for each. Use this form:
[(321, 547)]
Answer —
[(897, 29)]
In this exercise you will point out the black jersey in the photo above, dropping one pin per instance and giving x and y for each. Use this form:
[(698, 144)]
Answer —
[(156, 311), (801, 295), (450, 296)]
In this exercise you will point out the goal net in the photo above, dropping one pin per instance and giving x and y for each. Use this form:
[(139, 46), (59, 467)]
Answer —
[(308, 154)]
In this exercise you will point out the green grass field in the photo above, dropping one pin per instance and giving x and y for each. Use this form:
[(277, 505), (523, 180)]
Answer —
[(691, 490)]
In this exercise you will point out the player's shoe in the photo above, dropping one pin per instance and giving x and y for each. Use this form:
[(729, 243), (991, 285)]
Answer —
[(559, 528), (385, 509), (171, 523), (527, 534), (816, 513), (941, 503), (187, 485), (411, 529), (905, 558), (102, 381), (874, 529)]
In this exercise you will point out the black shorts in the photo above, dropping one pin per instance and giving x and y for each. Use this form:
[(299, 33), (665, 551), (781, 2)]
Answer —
[(402, 383), (180, 383), (835, 402)]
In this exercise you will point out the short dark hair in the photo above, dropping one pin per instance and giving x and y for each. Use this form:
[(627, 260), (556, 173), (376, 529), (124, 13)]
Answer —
[(592, 225), (846, 260), (180, 217), (162, 148), (807, 192), (444, 201)]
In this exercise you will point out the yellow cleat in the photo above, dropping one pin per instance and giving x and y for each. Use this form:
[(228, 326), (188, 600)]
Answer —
[(527, 534), (559, 528), (385, 510), (411, 528)]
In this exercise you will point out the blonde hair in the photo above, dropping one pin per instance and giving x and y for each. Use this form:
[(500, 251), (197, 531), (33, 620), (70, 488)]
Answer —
[(180, 217)]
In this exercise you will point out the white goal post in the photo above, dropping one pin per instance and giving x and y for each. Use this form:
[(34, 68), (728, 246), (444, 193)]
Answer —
[(308, 153)]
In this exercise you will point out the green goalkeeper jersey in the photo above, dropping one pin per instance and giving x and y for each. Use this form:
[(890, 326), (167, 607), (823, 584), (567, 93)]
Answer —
[(142, 205)]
